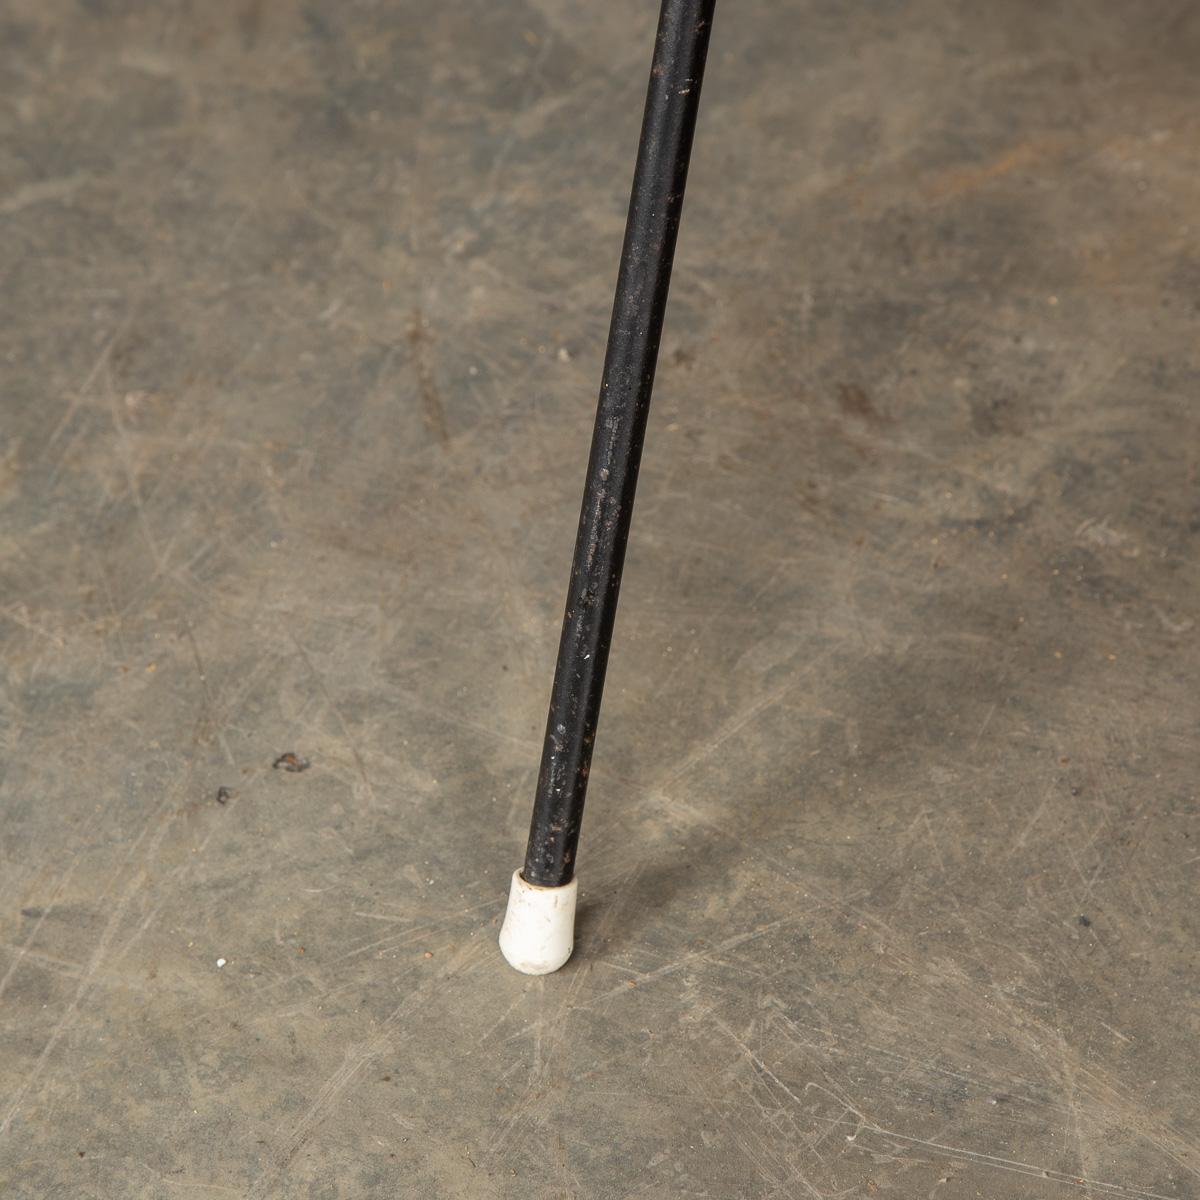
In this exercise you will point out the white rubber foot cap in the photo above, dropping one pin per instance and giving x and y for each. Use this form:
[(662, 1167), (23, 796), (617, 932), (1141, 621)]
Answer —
[(538, 933)]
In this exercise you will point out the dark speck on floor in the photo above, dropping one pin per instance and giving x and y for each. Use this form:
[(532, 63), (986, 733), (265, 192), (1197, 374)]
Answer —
[(291, 762)]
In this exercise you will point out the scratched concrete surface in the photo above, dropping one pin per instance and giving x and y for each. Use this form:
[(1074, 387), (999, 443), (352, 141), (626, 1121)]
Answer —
[(889, 867)]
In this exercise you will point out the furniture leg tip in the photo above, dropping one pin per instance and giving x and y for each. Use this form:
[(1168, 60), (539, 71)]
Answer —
[(538, 933)]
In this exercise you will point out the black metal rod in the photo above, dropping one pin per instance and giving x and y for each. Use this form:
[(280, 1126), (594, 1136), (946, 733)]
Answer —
[(655, 206)]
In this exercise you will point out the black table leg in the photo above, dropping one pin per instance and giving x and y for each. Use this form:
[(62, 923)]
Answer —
[(538, 928)]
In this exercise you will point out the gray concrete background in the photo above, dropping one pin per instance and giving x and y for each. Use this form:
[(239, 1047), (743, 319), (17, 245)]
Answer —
[(888, 871)]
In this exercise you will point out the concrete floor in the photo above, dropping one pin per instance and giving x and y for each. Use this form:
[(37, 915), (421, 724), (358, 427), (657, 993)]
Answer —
[(889, 866)]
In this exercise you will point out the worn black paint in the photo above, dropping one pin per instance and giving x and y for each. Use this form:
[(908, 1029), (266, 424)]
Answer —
[(655, 207)]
